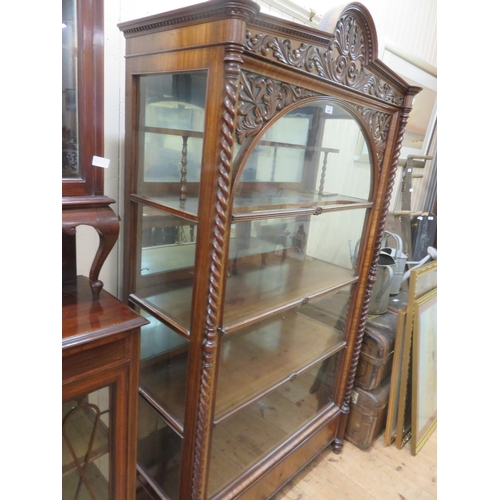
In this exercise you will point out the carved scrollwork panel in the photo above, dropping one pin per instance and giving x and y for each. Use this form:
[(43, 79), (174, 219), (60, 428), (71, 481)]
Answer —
[(343, 61), (378, 123), (260, 99)]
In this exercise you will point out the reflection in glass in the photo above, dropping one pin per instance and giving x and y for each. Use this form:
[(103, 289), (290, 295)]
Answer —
[(70, 161), (246, 437), (163, 368), (314, 155), (166, 272), (158, 450), (172, 111), (168, 242), (281, 261), (86, 446), (260, 357)]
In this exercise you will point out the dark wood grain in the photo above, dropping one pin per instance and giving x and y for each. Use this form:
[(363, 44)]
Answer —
[(85, 320)]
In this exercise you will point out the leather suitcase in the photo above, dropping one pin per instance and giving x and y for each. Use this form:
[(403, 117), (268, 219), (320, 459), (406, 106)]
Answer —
[(368, 415), (377, 349), (397, 302)]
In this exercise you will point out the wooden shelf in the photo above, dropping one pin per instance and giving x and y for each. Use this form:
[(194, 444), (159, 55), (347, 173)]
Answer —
[(246, 437), (256, 293), (241, 441), (253, 362), (273, 198), (258, 205), (174, 131), (171, 203)]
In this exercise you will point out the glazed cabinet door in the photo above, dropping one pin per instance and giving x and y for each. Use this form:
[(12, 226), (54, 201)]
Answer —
[(300, 199), (164, 191), (94, 437)]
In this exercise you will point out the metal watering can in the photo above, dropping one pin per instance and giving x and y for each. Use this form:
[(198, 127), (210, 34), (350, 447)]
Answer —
[(379, 299), (399, 258)]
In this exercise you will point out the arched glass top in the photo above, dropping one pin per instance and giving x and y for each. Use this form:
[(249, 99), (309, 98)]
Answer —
[(315, 155)]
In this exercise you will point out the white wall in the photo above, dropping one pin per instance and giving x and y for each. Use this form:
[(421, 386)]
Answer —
[(411, 24)]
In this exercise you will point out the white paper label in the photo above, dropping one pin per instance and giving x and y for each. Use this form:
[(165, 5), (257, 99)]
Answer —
[(98, 161), (328, 109), (431, 218), (409, 170), (411, 190)]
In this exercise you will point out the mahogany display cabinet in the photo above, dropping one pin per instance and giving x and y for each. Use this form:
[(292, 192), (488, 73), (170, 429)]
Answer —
[(258, 151)]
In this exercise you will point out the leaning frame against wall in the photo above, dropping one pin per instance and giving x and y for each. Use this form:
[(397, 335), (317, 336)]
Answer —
[(256, 149)]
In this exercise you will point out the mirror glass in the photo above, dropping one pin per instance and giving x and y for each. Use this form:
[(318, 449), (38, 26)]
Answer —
[(70, 159)]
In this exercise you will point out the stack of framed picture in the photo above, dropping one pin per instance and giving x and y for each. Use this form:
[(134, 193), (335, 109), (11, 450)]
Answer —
[(412, 407)]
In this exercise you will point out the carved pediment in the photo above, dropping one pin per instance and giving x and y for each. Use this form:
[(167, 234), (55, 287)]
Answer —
[(343, 61)]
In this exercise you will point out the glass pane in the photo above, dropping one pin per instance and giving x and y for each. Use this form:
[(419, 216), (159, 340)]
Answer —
[(158, 450), (70, 163), (245, 438), (85, 447), (280, 261), (171, 125), (167, 256), (259, 357), (315, 155), (164, 355)]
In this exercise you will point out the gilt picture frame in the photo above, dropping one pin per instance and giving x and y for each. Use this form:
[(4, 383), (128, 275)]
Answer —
[(395, 387), (422, 280), (424, 370)]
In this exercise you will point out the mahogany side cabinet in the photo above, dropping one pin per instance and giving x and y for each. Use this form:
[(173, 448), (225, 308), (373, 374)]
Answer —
[(100, 360), (258, 153)]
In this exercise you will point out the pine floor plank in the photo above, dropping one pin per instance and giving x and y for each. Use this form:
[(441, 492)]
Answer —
[(380, 473), (420, 469)]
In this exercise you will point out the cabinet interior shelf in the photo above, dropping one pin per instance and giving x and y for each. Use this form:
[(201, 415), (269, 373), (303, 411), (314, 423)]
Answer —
[(250, 298), (257, 429), (174, 131), (258, 206), (273, 198), (172, 204), (253, 362)]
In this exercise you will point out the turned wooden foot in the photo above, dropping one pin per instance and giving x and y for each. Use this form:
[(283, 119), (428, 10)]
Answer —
[(337, 445)]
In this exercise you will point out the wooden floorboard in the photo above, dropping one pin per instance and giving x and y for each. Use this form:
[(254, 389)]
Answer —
[(380, 473)]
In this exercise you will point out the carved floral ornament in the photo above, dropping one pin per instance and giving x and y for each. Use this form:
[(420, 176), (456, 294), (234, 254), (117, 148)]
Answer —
[(342, 62), (262, 97)]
